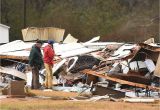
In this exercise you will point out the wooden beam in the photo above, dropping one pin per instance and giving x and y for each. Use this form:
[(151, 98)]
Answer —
[(87, 71), (13, 57)]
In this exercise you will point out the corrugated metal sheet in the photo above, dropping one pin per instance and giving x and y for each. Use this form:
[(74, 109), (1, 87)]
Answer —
[(33, 33), (16, 45)]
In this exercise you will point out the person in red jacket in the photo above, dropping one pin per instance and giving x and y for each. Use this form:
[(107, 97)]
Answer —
[(48, 63)]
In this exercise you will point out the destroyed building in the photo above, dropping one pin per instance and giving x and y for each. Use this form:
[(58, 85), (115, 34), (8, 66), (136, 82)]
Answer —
[(103, 68)]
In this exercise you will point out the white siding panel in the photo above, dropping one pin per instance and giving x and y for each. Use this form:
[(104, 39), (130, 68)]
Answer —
[(4, 34)]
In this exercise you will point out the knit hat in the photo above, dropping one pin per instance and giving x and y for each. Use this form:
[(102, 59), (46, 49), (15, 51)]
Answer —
[(50, 42)]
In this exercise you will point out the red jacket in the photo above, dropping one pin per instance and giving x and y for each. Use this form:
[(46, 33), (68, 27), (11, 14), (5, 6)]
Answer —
[(48, 54)]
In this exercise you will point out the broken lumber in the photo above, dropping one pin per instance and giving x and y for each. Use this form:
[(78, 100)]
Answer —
[(13, 57), (87, 71)]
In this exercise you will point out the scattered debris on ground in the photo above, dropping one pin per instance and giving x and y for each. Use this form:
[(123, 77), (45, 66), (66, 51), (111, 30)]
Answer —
[(128, 72)]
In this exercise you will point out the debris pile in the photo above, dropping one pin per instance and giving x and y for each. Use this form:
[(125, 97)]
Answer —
[(110, 70)]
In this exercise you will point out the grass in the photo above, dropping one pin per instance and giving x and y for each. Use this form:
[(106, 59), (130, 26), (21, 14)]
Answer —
[(53, 93), (30, 103), (39, 104)]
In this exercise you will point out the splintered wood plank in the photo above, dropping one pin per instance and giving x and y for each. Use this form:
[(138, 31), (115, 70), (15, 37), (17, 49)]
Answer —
[(87, 71)]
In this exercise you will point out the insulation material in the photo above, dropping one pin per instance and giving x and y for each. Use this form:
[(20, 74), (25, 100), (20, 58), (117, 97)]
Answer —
[(33, 33)]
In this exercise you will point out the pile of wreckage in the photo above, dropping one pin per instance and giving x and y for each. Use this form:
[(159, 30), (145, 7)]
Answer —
[(109, 70)]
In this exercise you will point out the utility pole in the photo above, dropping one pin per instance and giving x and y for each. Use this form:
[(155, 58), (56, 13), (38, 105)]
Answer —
[(24, 13), (159, 24)]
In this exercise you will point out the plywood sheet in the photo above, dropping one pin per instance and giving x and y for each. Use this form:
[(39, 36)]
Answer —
[(46, 33)]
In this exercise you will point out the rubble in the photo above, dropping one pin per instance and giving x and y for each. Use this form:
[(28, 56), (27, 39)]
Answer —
[(110, 70)]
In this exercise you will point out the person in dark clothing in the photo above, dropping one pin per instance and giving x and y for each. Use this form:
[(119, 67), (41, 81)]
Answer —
[(36, 63)]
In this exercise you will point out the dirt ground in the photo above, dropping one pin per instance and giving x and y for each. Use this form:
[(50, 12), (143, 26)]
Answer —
[(59, 102)]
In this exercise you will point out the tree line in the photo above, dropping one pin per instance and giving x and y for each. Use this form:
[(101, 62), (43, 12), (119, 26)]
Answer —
[(113, 20)]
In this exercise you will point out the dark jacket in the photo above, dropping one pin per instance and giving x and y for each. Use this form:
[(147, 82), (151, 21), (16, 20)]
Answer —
[(35, 57)]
